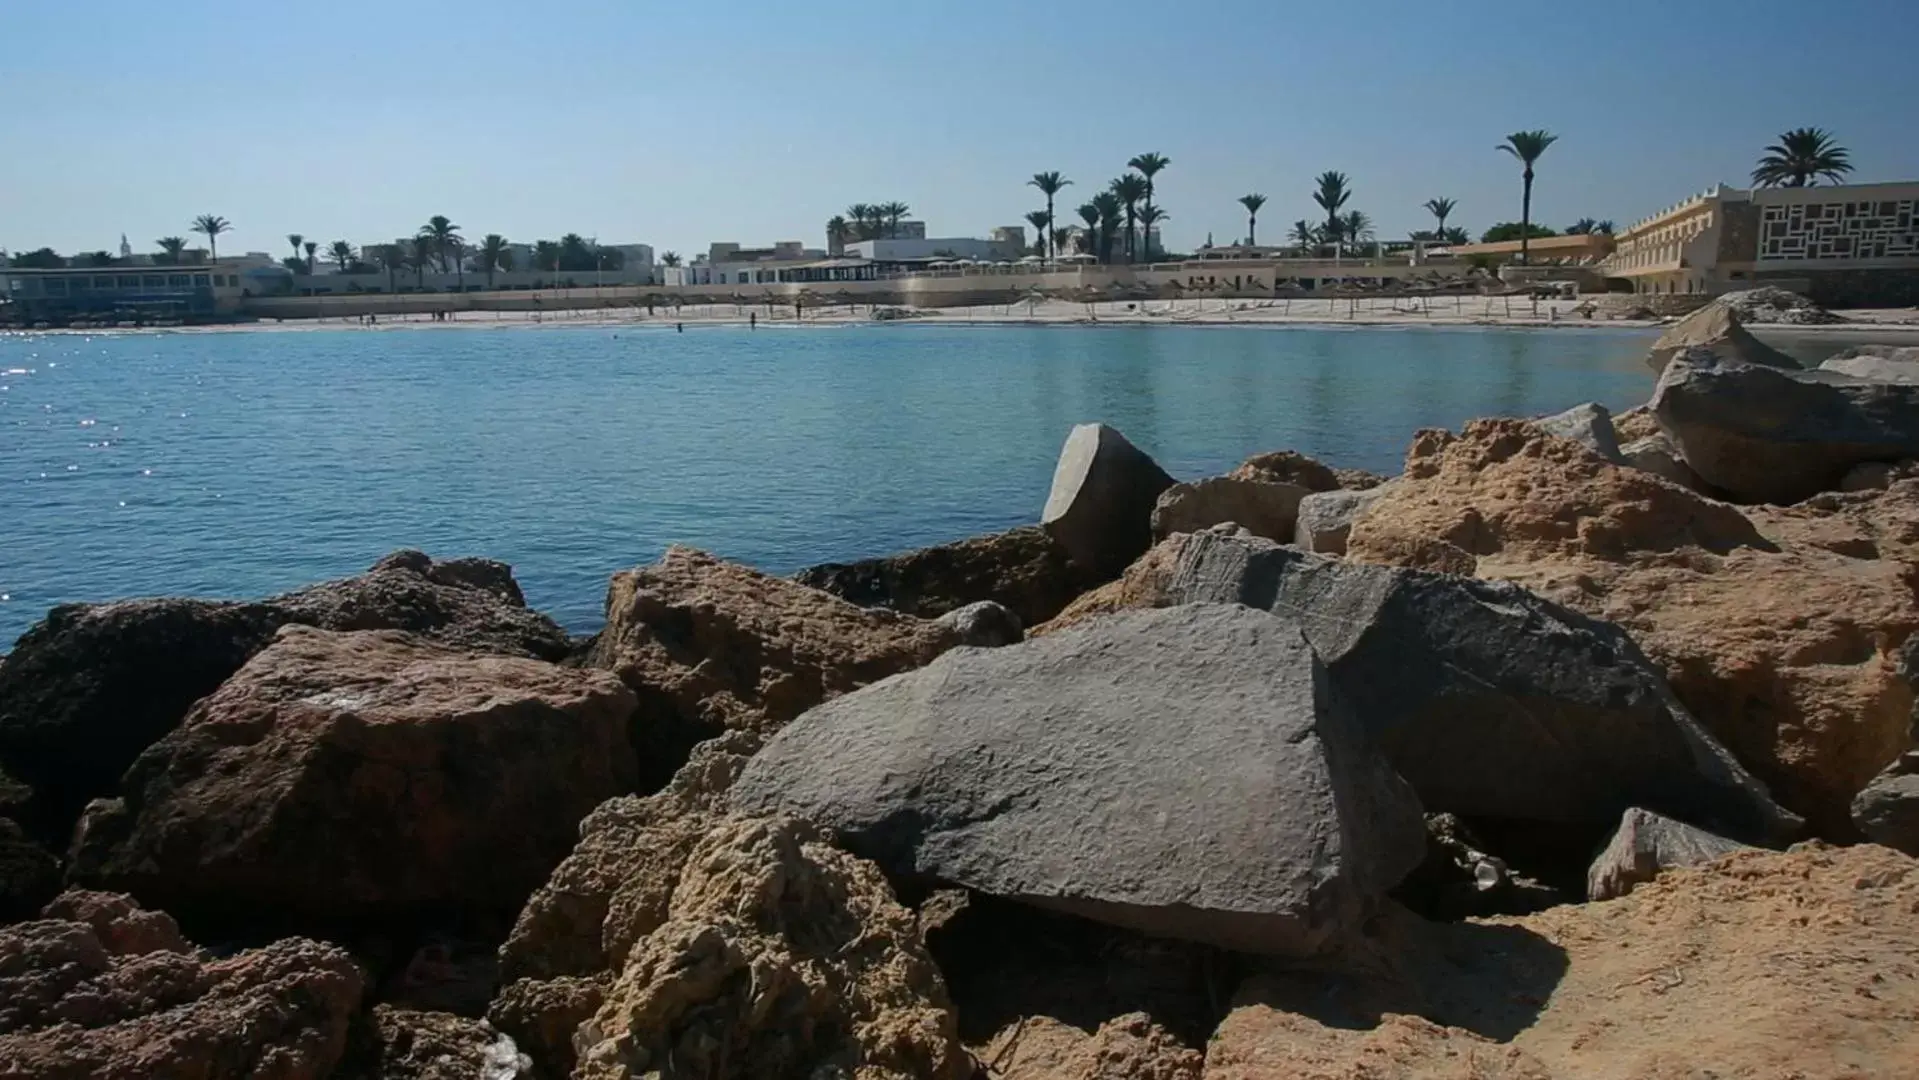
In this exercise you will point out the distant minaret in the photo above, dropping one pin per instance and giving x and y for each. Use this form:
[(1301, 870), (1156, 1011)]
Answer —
[(126, 249)]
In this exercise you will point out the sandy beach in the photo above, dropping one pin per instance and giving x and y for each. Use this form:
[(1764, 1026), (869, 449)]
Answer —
[(1444, 311)]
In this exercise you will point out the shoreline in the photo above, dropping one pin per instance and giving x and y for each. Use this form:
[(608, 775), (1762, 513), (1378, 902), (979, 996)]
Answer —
[(1305, 314)]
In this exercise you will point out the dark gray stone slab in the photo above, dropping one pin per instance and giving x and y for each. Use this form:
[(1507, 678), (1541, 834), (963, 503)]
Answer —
[(1188, 772), (1646, 844), (1101, 506)]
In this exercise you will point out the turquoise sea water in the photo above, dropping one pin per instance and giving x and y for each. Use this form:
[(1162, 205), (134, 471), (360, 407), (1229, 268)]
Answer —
[(241, 464)]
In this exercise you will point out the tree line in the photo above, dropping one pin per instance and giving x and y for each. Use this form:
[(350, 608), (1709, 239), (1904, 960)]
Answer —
[(1117, 224)]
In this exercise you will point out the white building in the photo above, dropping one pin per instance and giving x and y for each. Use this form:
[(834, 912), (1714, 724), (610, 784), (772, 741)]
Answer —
[(949, 247), (727, 263)]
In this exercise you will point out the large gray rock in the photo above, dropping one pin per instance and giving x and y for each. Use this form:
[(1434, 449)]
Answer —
[(1189, 772), (1656, 454), (1887, 811), (1101, 506), (1489, 700), (1887, 363), (1647, 844), (1325, 518), (1264, 508), (1717, 327), (1781, 436), (985, 624), (1589, 425)]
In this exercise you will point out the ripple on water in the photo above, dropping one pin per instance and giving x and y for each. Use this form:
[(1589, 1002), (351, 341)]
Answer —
[(571, 453)]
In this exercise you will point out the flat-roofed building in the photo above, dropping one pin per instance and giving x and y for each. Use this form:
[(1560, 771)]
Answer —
[(1849, 245)]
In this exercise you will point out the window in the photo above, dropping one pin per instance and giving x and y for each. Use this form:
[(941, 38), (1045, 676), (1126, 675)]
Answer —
[(742, 279), (177, 281), (154, 281), (53, 286), (200, 281), (129, 281), (103, 282)]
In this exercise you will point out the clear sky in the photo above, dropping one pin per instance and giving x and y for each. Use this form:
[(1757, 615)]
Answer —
[(682, 123)]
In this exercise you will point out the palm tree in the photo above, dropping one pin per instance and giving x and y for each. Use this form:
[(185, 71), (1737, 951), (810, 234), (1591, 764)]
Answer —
[(341, 253), (860, 213), (1801, 158), (311, 247), (1304, 236), (1604, 226), (1111, 212), (491, 250), (1049, 185), (445, 236), (575, 254), (1441, 208), (296, 240), (212, 225), (836, 232), (1252, 203), (1129, 190), (393, 258), (421, 257), (171, 248), (1581, 227), (1149, 216), (1042, 223), (1058, 237), (892, 212), (1331, 196), (1527, 146), (1149, 165), (1089, 236), (1356, 228), (670, 258)]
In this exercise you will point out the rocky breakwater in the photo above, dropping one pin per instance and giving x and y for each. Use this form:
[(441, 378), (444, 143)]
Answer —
[(1233, 808)]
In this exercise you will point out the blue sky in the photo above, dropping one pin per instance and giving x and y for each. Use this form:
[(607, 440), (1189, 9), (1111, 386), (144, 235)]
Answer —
[(682, 123)]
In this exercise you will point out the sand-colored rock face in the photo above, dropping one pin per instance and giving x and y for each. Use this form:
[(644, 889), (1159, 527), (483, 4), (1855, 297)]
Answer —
[(1780, 628), (780, 956), (1763, 964), (99, 990), (713, 646)]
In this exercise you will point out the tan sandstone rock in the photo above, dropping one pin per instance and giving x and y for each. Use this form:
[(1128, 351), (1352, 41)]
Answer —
[(780, 956), (1716, 326), (404, 1044), (99, 990), (1129, 1047), (1778, 627), (714, 646), (345, 779), (1763, 964)]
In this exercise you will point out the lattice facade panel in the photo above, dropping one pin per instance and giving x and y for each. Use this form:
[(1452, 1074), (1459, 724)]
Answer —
[(1886, 229)]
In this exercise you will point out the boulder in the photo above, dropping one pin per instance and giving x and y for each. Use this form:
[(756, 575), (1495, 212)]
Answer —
[(780, 955), (1764, 435), (29, 874), (613, 889), (985, 625), (1326, 518), (1885, 363), (407, 1044), (1589, 425), (99, 989), (1657, 455), (1646, 845), (1761, 964), (712, 646), (1025, 569), (1635, 423), (340, 780), (1887, 809), (1060, 772), (1779, 628), (92, 685), (1263, 508), (1771, 304), (1490, 701), (1100, 508), (1292, 467), (1716, 327), (469, 604)]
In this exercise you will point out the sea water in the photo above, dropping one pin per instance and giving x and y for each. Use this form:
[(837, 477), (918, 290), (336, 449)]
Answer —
[(239, 464)]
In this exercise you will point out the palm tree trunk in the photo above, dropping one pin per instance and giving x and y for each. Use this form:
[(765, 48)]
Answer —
[(1252, 230), (1052, 245), (1132, 250), (1525, 220)]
